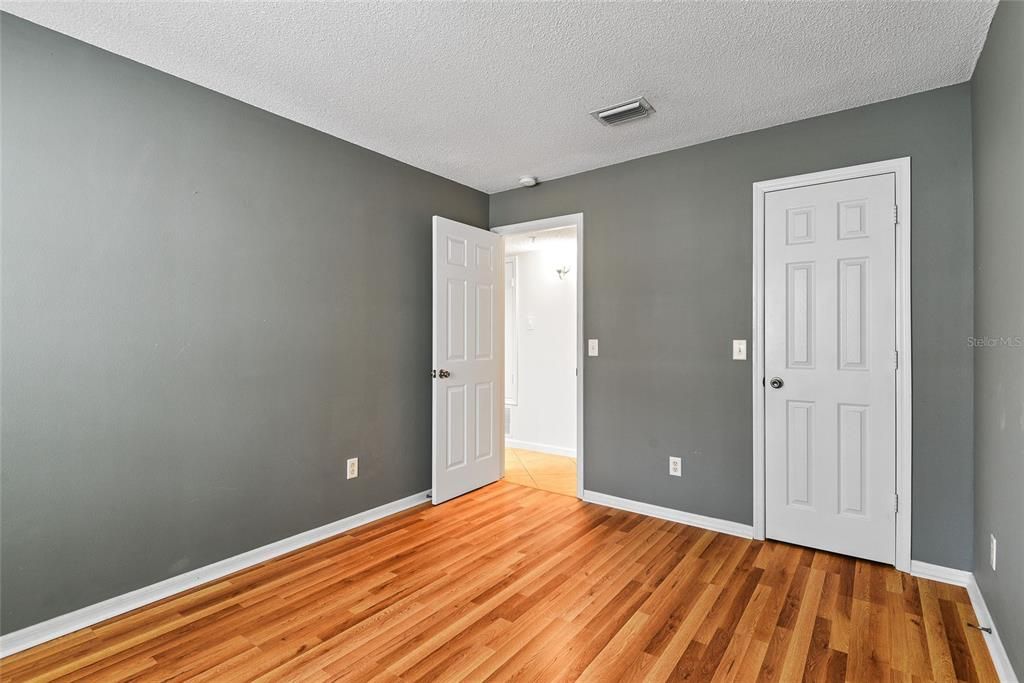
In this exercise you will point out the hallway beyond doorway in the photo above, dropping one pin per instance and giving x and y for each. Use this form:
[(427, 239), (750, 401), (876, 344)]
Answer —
[(554, 473)]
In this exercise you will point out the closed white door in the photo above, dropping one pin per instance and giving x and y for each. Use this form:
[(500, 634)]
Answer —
[(830, 340), (468, 358)]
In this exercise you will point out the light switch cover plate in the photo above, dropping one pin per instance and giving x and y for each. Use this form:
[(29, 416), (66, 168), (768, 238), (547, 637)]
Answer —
[(591, 347), (739, 349)]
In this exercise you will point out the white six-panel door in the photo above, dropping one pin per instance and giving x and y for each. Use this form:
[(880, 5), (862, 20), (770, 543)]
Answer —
[(468, 358), (830, 340)]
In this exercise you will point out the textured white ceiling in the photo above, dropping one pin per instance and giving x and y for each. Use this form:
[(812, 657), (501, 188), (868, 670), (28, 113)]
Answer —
[(483, 93)]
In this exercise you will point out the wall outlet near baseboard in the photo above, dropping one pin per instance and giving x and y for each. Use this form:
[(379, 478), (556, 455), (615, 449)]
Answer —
[(353, 468), (992, 550), (675, 466)]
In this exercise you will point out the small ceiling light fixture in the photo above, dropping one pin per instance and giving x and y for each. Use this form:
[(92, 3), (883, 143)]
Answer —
[(528, 181), (636, 108)]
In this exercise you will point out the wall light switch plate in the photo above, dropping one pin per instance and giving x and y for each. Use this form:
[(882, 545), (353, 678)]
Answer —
[(591, 347), (739, 349), (675, 466), (353, 468)]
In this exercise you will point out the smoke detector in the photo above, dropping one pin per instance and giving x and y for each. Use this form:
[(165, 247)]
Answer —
[(636, 108), (528, 181)]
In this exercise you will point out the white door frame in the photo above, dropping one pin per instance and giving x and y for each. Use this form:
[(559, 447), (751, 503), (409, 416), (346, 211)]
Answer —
[(901, 169), (567, 221)]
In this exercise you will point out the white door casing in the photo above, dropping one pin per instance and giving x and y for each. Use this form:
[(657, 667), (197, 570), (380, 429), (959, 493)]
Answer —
[(468, 355), (830, 336), (511, 331)]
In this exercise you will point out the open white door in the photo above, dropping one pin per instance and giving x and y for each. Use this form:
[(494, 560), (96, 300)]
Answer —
[(468, 358)]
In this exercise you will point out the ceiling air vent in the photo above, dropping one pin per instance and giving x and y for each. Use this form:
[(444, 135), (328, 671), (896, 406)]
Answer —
[(637, 108)]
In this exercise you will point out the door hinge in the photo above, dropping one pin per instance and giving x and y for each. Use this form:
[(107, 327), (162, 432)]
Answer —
[(895, 360), (896, 214), (896, 502)]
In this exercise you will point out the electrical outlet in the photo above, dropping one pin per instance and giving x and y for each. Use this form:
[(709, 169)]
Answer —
[(353, 468), (992, 550), (591, 347), (675, 466)]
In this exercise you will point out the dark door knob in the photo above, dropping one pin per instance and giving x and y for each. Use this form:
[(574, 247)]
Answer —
[(444, 374), (775, 382)]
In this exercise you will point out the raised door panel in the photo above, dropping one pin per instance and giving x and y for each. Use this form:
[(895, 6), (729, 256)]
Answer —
[(852, 311), (799, 453), (458, 319), (484, 415), (854, 479), (457, 408), (800, 307)]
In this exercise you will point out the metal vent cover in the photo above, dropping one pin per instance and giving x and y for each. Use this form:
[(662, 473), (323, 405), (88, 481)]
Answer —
[(636, 108)]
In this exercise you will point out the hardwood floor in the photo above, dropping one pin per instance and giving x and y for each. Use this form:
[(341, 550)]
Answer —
[(554, 473), (508, 582)]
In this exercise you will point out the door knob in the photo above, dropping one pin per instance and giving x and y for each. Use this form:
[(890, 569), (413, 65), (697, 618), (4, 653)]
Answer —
[(444, 374), (774, 382)]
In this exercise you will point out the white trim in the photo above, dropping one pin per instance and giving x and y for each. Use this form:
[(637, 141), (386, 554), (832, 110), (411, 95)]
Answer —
[(1000, 658), (514, 261), (567, 221), (541, 448), (935, 572), (553, 223), (904, 400), (112, 607), (723, 526)]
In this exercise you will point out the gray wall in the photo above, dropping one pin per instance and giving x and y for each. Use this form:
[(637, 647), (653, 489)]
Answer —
[(667, 243), (206, 310), (999, 312)]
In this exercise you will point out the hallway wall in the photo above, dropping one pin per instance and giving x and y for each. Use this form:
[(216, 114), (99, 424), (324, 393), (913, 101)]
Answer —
[(545, 418)]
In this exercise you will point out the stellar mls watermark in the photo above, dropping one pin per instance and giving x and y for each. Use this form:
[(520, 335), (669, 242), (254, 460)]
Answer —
[(992, 342)]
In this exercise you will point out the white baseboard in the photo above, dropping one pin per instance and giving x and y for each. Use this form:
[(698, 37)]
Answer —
[(540, 447), (713, 523), (995, 645), (924, 570), (93, 614), (959, 577)]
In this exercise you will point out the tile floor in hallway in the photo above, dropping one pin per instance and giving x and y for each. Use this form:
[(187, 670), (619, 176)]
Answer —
[(554, 473)]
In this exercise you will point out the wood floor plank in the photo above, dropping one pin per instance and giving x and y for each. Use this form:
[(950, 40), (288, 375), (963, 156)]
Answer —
[(515, 583)]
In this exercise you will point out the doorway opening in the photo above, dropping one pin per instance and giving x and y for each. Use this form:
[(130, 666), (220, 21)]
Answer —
[(543, 354)]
